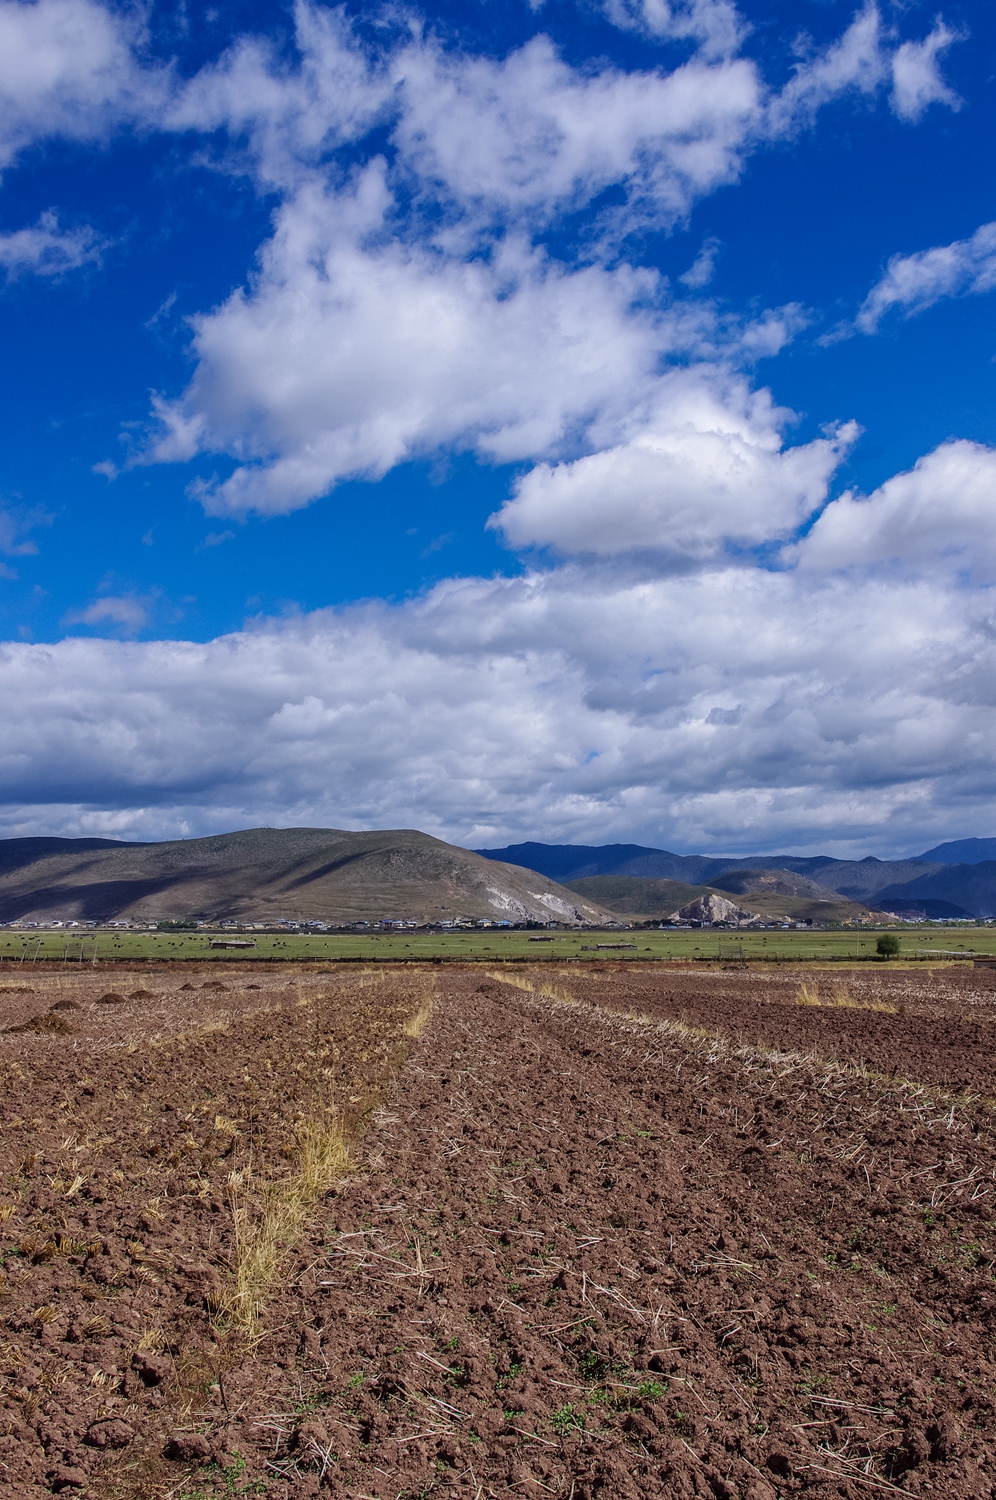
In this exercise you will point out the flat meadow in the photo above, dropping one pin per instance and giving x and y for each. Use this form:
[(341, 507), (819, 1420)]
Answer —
[(930, 945), (612, 1228)]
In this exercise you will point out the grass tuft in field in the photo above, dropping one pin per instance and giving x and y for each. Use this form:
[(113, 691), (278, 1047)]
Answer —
[(269, 1217), (841, 998), (416, 1024)]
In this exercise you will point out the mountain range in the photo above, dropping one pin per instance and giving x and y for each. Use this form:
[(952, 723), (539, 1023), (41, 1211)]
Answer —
[(956, 879), (340, 877)]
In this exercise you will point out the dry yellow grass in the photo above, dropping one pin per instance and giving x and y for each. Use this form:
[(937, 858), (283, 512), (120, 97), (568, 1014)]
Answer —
[(417, 1023), (544, 987), (269, 1217), (425, 993), (841, 998)]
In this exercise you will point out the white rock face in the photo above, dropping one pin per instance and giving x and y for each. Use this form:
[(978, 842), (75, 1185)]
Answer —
[(713, 908), (564, 910)]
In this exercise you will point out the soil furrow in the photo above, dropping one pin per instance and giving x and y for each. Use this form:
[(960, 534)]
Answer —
[(591, 1257)]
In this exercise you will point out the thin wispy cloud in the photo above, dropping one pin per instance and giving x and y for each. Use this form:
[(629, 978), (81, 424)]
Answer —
[(46, 249), (125, 612), (912, 283)]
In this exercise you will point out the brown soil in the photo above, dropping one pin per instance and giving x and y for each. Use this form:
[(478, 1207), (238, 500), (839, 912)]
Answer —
[(588, 1253), (119, 1144), (936, 1027)]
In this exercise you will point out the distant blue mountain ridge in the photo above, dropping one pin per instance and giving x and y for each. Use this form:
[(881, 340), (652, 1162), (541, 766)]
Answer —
[(963, 852), (954, 879)]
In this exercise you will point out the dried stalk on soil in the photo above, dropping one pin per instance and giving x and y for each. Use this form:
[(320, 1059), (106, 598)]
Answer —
[(542, 987), (270, 1216), (841, 999), (270, 1220), (711, 1045), (417, 1023)]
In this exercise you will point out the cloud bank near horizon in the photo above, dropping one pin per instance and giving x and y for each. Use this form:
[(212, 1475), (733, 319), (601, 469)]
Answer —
[(831, 703)]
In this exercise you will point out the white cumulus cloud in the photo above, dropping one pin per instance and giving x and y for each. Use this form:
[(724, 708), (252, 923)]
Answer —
[(939, 517), (707, 470), (69, 68), (700, 272), (716, 25), (410, 307), (354, 352), (864, 60), (290, 117), (126, 611), (916, 75), (530, 134)]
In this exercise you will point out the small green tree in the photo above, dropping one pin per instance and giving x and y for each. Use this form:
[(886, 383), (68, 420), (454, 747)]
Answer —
[(887, 945)]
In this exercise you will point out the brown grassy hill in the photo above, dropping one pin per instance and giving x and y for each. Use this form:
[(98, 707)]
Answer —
[(788, 893), (268, 873), (636, 899), (772, 883)]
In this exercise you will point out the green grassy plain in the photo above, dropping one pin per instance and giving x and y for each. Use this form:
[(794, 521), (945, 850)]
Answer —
[(492, 946)]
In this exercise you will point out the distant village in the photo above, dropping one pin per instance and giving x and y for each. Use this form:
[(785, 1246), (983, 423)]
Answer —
[(287, 925)]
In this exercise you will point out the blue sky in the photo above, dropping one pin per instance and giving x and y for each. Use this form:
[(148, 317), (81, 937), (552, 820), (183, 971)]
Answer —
[(697, 297)]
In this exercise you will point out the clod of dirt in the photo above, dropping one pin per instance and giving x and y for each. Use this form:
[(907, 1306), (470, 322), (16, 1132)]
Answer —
[(38, 1025), (17, 989), (213, 984), (141, 995), (188, 986), (153, 1368), (64, 1005), (943, 1439), (111, 998), (310, 1345), (188, 1448), (109, 1433), (65, 1477), (310, 1435)]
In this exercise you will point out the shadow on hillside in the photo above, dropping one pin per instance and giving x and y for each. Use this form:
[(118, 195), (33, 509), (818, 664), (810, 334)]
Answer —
[(98, 902)]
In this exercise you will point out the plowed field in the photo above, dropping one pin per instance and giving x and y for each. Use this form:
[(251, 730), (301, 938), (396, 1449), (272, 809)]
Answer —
[(415, 1232)]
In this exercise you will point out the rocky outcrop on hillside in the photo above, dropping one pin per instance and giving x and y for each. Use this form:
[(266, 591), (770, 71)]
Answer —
[(712, 908)]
